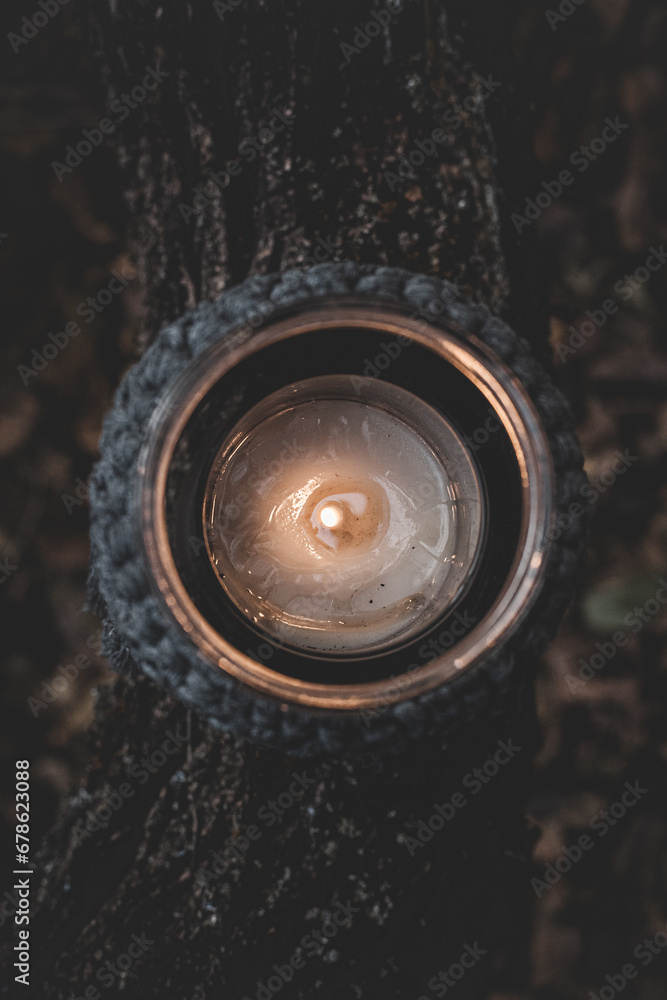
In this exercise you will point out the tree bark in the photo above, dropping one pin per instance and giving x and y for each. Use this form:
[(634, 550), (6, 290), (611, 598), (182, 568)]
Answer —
[(174, 838)]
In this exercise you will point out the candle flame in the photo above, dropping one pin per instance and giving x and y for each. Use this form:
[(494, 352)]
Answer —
[(330, 517)]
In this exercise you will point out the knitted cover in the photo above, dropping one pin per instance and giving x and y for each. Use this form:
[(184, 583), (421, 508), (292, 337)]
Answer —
[(139, 634)]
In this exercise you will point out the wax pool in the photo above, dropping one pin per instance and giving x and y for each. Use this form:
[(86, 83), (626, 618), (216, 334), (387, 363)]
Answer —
[(345, 522)]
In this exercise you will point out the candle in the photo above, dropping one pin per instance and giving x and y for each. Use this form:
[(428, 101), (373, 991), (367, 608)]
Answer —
[(343, 515)]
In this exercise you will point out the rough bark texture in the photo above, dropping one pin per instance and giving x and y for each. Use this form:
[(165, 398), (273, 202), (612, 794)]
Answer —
[(325, 175), (148, 865)]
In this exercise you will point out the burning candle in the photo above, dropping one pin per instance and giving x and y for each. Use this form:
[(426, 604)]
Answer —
[(343, 514)]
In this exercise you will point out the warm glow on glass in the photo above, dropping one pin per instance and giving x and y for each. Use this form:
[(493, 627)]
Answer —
[(335, 517)]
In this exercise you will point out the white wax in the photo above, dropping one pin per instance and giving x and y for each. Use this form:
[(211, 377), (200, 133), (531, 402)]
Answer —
[(334, 524)]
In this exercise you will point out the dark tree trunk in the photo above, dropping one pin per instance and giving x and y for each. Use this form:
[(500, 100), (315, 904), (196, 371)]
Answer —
[(135, 853)]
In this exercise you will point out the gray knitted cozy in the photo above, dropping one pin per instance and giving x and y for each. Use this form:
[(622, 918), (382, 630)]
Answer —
[(139, 635)]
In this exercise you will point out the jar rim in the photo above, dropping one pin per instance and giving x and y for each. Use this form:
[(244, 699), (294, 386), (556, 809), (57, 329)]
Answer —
[(512, 405)]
